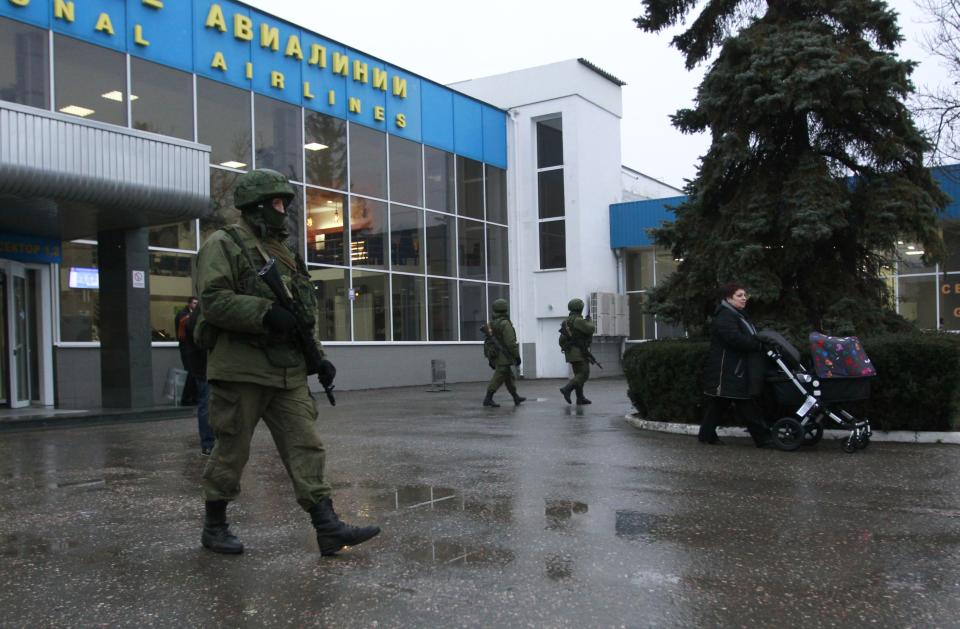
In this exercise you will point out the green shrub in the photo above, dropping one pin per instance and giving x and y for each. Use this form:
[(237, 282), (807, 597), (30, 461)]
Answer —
[(917, 386)]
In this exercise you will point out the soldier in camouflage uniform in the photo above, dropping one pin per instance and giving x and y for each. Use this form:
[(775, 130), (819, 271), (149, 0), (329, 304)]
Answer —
[(576, 335), (256, 369), (505, 356)]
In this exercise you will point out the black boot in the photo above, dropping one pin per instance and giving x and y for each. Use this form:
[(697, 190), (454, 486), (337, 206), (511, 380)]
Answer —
[(488, 401), (581, 400), (332, 534), (517, 399), (565, 390), (216, 530)]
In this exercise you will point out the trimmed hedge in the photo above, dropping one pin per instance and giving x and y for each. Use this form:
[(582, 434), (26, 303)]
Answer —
[(917, 386)]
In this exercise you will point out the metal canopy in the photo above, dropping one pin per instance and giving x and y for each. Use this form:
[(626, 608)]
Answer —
[(65, 177)]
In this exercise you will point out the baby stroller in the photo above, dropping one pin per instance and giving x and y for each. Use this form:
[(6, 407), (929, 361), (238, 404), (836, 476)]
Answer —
[(843, 374)]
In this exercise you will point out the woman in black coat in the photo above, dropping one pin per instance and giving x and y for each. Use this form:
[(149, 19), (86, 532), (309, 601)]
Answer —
[(733, 373)]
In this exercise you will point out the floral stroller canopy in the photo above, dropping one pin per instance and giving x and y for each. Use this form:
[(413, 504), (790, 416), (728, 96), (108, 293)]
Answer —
[(840, 357)]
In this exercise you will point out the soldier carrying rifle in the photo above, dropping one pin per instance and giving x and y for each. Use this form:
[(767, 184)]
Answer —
[(502, 352), (576, 335)]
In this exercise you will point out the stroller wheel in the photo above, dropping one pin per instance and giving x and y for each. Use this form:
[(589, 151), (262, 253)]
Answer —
[(863, 441), (850, 444), (812, 433), (787, 434)]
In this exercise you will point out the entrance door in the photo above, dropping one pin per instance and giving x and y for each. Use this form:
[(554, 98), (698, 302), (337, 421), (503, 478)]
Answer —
[(25, 352), (20, 352)]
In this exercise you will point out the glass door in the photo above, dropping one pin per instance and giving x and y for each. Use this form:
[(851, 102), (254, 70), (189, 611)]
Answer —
[(19, 315)]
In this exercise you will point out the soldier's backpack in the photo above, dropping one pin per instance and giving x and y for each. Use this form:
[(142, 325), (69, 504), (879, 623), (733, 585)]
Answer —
[(566, 339), (489, 343)]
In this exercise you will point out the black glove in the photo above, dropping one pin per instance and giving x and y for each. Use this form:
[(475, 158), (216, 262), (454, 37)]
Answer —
[(279, 319), (327, 373), (492, 364), (518, 361)]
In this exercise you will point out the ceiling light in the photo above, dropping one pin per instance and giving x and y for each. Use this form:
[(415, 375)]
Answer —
[(117, 96), (314, 146), (76, 110), (914, 253), (233, 164)]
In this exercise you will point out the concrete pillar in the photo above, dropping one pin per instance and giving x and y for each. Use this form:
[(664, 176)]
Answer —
[(126, 365)]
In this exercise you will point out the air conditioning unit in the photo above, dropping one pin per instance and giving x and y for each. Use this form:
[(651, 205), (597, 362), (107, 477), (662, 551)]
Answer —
[(604, 309)]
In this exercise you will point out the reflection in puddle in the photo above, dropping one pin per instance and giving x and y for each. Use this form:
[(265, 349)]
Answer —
[(96, 482), (449, 552), (26, 545), (632, 524), (446, 499), (559, 567), (559, 513)]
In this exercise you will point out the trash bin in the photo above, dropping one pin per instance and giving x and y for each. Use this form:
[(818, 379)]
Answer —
[(173, 389)]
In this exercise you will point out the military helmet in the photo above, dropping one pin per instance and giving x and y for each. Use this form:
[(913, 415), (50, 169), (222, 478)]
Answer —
[(575, 305), (261, 185), (501, 305)]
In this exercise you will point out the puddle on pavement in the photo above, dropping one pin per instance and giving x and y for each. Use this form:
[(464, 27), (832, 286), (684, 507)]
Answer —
[(79, 484), (639, 525), (444, 499), (455, 553), (559, 567), (27, 545), (561, 513)]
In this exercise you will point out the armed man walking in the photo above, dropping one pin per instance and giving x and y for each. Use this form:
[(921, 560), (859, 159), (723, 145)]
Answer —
[(502, 351), (257, 367), (576, 335)]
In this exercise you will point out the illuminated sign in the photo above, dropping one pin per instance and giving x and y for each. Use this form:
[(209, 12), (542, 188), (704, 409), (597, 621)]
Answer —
[(29, 249), (81, 277), (230, 42)]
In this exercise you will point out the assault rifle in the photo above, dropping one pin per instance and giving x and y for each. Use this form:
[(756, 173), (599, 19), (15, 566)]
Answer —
[(271, 277), (501, 349), (581, 345)]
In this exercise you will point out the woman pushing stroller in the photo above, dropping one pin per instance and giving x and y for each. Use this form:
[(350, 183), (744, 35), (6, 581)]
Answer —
[(734, 371)]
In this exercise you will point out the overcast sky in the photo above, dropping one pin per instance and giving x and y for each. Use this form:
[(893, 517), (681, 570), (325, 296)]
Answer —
[(447, 41)]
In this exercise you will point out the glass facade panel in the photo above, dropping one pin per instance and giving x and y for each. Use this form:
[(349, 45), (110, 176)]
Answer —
[(162, 99), (406, 239), (553, 245), (279, 137), (951, 242), (325, 227), (406, 171), (325, 150), (918, 300), (496, 182), (79, 293), (641, 325), (222, 183), (368, 233), (441, 244), (439, 179), (950, 302), (639, 269), (666, 265), (498, 291), (470, 238), (171, 286), (470, 188), (550, 143), (176, 236), (550, 193), (333, 311), (370, 306), (25, 73), (223, 122), (294, 222), (409, 308), (442, 302), (498, 253), (368, 162), (911, 259), (473, 310), (91, 82)]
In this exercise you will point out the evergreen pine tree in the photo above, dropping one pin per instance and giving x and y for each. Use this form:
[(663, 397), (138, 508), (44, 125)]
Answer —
[(815, 168)]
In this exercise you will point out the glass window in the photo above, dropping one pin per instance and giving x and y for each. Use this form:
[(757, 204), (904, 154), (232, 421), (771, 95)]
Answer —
[(368, 233), (409, 308), (441, 244), (497, 254), (473, 310), (950, 302), (550, 193), (222, 212), (91, 82), (918, 301), (279, 137), (79, 293), (325, 233), (641, 325), (951, 243), (550, 143), (470, 188), (223, 122), (325, 149), (171, 286), (439, 169), (406, 239), (496, 183), (406, 171), (333, 309), (294, 222), (442, 301), (162, 99), (24, 76), (639, 267), (911, 258), (470, 237), (177, 236), (666, 265), (369, 306), (553, 245), (498, 291), (368, 161)]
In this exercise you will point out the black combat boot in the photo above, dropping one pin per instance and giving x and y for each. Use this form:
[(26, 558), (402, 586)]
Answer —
[(216, 530), (332, 534), (488, 401), (517, 399), (565, 390), (581, 400)]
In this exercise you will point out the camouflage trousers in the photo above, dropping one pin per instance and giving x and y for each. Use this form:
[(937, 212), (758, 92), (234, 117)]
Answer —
[(581, 373), (290, 415), (503, 374)]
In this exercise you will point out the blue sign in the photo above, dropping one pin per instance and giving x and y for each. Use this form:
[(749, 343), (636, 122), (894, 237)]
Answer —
[(29, 249)]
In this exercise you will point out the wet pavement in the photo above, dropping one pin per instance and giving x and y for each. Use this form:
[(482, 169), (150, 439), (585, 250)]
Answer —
[(543, 515)]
